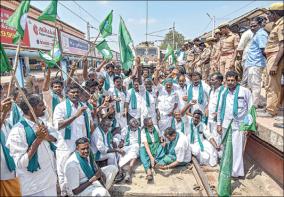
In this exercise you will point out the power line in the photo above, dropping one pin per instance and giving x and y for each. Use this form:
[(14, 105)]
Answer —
[(160, 30), (73, 12), (207, 26), (97, 20), (244, 6)]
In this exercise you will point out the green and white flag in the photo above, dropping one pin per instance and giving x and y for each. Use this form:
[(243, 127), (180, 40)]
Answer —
[(170, 52), (50, 13), (125, 46), (18, 20), (53, 56), (106, 25), (5, 65), (249, 122), (104, 49), (226, 165)]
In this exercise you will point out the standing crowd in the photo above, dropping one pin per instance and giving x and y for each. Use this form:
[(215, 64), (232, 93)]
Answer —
[(86, 136)]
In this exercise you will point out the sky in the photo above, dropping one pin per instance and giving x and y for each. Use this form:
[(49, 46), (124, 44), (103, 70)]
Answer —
[(190, 17)]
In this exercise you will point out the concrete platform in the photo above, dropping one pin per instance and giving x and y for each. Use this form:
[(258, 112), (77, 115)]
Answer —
[(268, 133)]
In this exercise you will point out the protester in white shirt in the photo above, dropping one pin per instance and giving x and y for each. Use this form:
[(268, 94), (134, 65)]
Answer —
[(131, 136), (9, 183), (31, 146), (83, 177), (202, 143), (214, 103), (235, 103), (182, 92), (73, 122)]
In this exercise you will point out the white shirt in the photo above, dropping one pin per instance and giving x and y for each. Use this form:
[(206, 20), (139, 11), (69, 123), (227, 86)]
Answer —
[(203, 131), (133, 136), (149, 111), (98, 142), (244, 104), (245, 42), (74, 175), (47, 99), (44, 177), (122, 96), (144, 137), (78, 128), (181, 92), (213, 103), (195, 93), (5, 172), (182, 149), (136, 113), (166, 101)]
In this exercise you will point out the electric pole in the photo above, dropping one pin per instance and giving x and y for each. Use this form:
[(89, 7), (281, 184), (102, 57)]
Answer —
[(174, 35), (88, 31), (146, 21), (213, 27)]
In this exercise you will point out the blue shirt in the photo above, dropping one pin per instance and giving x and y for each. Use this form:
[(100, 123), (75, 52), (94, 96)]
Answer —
[(254, 54)]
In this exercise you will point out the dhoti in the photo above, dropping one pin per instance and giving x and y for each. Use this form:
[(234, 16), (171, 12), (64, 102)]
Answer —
[(131, 152), (165, 122), (145, 159), (96, 189), (61, 158), (238, 162), (208, 156)]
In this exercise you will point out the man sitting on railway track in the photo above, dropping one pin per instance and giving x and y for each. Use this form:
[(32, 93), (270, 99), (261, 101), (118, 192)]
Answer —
[(178, 150)]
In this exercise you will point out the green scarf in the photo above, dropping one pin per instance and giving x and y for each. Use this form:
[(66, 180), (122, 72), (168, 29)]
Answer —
[(100, 100), (88, 168), (153, 145), (130, 85), (147, 99), (171, 149), (90, 106), (107, 82), (55, 101), (117, 103), (174, 125), (30, 137), (235, 106), (109, 138), (198, 136), (200, 93), (127, 138), (15, 114), (133, 99), (67, 134), (9, 160)]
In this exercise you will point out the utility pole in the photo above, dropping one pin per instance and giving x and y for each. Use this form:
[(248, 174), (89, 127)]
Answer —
[(88, 31), (146, 21), (174, 35)]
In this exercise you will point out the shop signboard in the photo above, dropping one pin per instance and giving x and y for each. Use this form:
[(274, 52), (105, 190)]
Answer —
[(41, 35), (7, 33)]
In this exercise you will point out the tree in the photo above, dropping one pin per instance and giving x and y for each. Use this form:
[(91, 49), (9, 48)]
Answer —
[(178, 38)]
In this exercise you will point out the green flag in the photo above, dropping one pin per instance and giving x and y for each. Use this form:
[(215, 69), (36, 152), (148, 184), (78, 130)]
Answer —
[(18, 20), (125, 46), (5, 65), (50, 13), (170, 52), (53, 56), (249, 122), (226, 165), (104, 49), (106, 25)]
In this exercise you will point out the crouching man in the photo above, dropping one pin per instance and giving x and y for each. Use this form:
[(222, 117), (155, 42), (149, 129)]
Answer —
[(178, 151), (82, 177)]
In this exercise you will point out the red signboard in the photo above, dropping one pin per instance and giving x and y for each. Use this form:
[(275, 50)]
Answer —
[(7, 33)]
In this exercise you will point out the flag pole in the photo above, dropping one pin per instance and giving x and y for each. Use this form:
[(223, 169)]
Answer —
[(26, 100), (15, 66)]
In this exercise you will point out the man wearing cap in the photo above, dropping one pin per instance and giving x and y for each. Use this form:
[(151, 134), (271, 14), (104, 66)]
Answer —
[(229, 44), (275, 59), (204, 60)]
